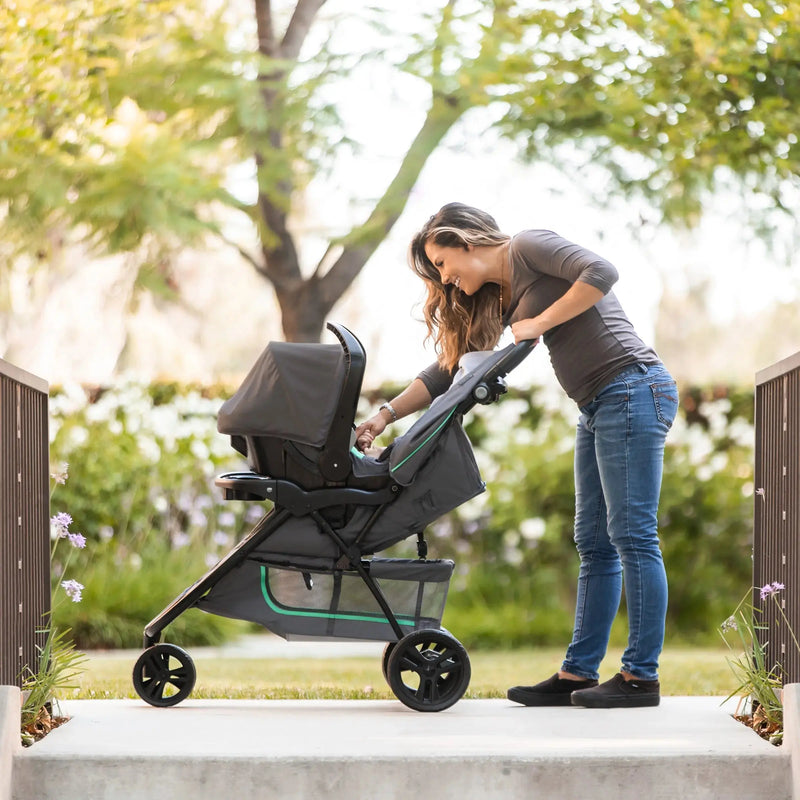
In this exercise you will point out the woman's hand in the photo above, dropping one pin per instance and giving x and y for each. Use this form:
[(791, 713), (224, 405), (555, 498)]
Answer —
[(368, 431), (526, 329), (578, 298), (411, 399)]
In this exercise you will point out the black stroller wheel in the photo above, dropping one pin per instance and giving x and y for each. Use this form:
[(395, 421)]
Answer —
[(387, 651), (428, 670), (164, 675)]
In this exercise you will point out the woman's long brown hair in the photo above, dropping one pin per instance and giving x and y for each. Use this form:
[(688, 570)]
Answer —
[(458, 323)]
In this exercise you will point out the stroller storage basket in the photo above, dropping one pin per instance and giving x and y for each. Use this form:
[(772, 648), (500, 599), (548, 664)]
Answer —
[(338, 604)]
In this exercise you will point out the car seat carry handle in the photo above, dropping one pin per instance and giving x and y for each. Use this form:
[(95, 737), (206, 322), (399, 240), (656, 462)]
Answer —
[(334, 462)]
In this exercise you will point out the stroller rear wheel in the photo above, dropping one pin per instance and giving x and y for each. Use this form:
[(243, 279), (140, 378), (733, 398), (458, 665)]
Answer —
[(428, 670), (163, 675)]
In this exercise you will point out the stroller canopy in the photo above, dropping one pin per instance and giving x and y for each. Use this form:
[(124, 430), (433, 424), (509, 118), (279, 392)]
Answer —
[(291, 392)]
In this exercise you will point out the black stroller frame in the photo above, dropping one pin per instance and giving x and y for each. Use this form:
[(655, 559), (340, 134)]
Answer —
[(301, 572)]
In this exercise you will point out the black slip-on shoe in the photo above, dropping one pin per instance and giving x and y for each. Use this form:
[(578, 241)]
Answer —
[(554, 691), (619, 693)]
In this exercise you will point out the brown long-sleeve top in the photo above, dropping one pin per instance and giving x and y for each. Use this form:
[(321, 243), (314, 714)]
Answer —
[(587, 351)]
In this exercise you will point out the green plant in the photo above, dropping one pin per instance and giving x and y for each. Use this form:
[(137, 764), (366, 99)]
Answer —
[(148, 455), (122, 594), (760, 682), (59, 664), (59, 668)]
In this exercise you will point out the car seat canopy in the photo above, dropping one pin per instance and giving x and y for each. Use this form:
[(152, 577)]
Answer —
[(291, 392)]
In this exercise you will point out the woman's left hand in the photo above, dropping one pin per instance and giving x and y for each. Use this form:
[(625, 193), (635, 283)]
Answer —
[(368, 431), (526, 329)]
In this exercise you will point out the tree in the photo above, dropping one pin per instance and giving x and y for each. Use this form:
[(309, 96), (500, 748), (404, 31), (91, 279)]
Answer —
[(677, 98), (663, 94)]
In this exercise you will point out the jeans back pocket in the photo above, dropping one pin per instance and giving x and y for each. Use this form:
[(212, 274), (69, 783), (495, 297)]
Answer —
[(665, 397)]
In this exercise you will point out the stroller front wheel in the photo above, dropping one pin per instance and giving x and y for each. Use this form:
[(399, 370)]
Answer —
[(163, 675), (428, 670)]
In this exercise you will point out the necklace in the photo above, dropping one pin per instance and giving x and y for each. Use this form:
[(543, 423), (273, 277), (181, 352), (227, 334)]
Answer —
[(502, 272), (501, 302)]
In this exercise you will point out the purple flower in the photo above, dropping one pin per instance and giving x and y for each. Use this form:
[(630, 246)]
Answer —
[(730, 625), (77, 540), (61, 523), (770, 589), (73, 590)]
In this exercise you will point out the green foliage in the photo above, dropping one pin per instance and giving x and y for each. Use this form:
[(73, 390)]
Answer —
[(113, 121), (120, 120), (59, 668), (759, 682), (673, 98), (119, 599), (142, 463), (514, 544)]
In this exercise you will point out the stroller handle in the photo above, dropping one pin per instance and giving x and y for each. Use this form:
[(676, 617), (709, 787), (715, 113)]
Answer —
[(516, 354), (493, 383)]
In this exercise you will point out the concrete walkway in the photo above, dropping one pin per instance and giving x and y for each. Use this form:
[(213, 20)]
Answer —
[(689, 747)]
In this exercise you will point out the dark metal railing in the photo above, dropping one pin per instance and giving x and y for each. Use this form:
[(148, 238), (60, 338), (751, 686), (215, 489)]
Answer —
[(776, 540), (24, 520)]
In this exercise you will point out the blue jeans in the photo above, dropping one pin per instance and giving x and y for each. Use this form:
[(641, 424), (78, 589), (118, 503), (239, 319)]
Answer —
[(619, 454)]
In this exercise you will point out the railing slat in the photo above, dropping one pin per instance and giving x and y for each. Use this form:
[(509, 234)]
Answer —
[(776, 534), (24, 520)]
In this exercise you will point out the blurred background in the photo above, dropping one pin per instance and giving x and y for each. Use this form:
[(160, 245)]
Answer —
[(183, 182)]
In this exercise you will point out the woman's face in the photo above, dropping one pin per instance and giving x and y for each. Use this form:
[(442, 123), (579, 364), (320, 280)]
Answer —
[(466, 268)]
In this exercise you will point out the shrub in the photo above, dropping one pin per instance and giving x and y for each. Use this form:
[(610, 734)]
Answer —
[(142, 465), (143, 459)]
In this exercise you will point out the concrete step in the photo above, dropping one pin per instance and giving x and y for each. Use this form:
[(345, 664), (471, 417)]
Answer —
[(689, 747)]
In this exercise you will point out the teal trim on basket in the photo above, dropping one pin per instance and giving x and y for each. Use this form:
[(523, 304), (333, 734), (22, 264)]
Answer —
[(281, 609), (420, 446)]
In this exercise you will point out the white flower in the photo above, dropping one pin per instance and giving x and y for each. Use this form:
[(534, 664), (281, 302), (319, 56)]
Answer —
[(60, 474), (106, 532), (221, 539), (532, 528), (226, 518), (161, 504), (180, 539)]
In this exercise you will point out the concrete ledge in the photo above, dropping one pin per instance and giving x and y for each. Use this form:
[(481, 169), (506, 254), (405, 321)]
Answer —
[(791, 732), (9, 736), (689, 747)]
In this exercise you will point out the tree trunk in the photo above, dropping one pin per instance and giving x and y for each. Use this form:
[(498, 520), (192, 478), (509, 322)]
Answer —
[(303, 311), (306, 302)]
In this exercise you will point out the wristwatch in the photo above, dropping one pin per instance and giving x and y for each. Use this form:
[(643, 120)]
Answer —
[(389, 408)]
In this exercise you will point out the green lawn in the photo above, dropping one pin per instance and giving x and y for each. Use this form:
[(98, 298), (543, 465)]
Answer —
[(684, 671)]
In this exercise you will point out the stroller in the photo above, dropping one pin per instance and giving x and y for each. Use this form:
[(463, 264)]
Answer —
[(308, 569)]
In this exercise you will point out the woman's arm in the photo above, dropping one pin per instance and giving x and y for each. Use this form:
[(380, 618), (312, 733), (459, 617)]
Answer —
[(411, 399), (578, 298)]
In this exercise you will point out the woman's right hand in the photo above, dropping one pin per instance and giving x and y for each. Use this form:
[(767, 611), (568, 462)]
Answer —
[(368, 431)]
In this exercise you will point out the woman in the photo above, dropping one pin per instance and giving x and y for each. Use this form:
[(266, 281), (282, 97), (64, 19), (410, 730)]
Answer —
[(479, 280)]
